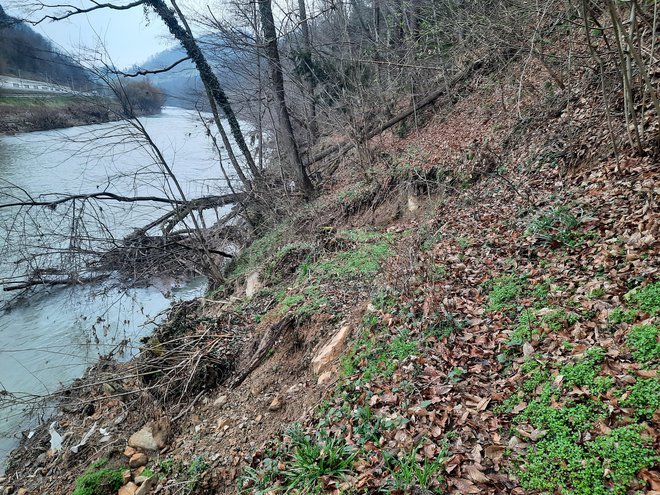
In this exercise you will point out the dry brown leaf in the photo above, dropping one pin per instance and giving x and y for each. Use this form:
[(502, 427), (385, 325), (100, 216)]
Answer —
[(464, 486), (474, 473), (494, 452)]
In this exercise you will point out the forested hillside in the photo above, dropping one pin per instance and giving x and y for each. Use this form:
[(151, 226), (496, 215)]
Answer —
[(26, 54)]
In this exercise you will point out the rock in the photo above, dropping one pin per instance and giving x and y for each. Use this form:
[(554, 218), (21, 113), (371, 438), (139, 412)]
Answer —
[(153, 436), (294, 389), (147, 485), (413, 204), (138, 460), (331, 351), (252, 284), (276, 404), (140, 479), (325, 378), (22, 491), (220, 401), (129, 451), (128, 489), (41, 459), (222, 423), (143, 439), (162, 431), (126, 476)]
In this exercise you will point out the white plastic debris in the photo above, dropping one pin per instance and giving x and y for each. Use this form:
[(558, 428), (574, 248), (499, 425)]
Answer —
[(85, 437), (55, 437)]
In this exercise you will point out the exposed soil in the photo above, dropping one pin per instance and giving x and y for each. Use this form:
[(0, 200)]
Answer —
[(15, 118)]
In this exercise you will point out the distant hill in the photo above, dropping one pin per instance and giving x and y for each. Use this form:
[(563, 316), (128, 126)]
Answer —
[(182, 84), (27, 54)]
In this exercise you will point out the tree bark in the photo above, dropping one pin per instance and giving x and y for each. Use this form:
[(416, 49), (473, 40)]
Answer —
[(271, 50), (208, 77), (306, 62)]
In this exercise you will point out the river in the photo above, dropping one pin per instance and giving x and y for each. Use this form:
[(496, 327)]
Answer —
[(51, 337)]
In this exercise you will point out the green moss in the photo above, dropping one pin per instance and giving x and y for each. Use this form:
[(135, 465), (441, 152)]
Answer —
[(643, 340), (98, 480), (535, 373), (531, 324), (258, 252), (365, 260)]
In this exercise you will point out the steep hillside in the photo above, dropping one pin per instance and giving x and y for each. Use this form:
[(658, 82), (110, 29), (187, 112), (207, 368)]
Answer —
[(480, 315), (468, 305), (25, 53)]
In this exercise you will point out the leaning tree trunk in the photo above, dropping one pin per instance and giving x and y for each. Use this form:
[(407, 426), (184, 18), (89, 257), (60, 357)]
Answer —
[(286, 129), (209, 79)]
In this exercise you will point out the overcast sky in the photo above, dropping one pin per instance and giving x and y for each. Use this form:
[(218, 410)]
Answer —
[(129, 38)]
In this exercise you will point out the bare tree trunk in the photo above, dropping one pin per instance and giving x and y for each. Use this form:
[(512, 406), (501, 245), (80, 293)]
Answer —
[(286, 129), (209, 79), (308, 71)]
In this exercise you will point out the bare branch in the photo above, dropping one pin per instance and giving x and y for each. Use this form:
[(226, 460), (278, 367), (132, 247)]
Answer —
[(156, 71), (196, 203), (73, 10)]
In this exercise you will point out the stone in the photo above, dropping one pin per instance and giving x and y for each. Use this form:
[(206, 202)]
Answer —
[(126, 476), (22, 491), (276, 404), (413, 204), (294, 389), (147, 485), (143, 439), (41, 459), (331, 351), (220, 401), (129, 451), (153, 436), (162, 431), (325, 378), (222, 423), (252, 284), (138, 460), (128, 489)]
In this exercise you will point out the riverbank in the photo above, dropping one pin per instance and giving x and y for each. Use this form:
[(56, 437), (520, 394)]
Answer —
[(420, 324), (28, 114), (478, 314)]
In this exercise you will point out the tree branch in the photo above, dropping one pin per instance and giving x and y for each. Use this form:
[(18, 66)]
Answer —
[(207, 201), (156, 71), (78, 10)]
